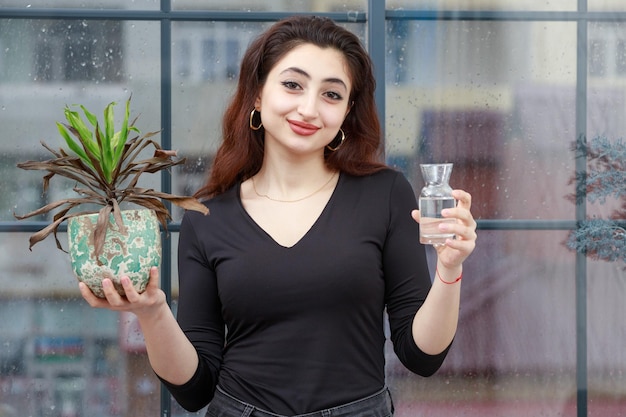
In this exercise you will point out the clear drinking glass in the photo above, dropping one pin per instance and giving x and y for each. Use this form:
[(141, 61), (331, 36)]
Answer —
[(434, 197)]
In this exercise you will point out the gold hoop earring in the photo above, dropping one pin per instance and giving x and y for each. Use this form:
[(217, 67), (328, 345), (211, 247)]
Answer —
[(252, 126), (343, 138)]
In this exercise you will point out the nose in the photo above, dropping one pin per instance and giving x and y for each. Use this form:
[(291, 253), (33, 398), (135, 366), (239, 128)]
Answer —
[(307, 106)]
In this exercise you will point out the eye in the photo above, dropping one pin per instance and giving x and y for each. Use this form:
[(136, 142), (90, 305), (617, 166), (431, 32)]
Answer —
[(333, 95), (291, 85)]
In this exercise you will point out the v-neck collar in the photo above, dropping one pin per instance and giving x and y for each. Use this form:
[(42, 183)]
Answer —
[(308, 232)]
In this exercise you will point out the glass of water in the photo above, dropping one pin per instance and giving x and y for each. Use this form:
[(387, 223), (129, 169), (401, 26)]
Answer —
[(434, 197)]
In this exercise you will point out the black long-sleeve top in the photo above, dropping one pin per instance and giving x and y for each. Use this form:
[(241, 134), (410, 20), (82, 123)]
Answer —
[(299, 329)]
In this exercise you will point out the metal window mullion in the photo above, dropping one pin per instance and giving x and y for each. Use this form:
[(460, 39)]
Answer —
[(166, 175), (166, 131), (173, 15), (581, 214), (502, 15), (376, 19)]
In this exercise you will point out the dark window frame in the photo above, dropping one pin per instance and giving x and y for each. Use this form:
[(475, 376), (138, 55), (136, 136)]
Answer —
[(376, 18)]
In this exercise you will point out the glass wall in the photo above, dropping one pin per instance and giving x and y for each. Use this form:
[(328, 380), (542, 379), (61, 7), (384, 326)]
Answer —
[(503, 89)]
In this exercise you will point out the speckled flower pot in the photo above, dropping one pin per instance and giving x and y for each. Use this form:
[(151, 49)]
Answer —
[(132, 254)]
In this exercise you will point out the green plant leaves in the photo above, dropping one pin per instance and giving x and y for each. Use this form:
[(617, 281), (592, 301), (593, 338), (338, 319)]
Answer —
[(101, 150), (108, 165), (74, 147)]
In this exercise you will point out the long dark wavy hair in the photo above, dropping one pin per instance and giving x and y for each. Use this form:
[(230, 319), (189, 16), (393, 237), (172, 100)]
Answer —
[(241, 153)]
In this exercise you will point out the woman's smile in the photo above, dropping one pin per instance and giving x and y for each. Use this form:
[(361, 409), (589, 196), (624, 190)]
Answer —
[(302, 128)]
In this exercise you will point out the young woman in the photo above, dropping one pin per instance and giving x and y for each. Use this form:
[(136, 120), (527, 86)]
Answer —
[(283, 287)]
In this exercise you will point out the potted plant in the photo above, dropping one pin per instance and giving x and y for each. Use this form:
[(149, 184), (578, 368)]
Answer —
[(106, 166)]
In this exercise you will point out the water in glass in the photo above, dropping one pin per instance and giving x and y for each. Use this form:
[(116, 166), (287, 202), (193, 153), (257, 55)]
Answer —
[(434, 197)]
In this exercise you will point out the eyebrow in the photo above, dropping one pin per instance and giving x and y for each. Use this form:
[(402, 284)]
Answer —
[(306, 74)]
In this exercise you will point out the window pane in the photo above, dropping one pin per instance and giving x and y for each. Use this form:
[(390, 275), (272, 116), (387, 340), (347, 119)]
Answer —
[(293, 6), (494, 5), (515, 349), (200, 94), (597, 58), (84, 4), (48, 51), (85, 69), (607, 338), (492, 98), (57, 352), (59, 356), (607, 103), (606, 5)]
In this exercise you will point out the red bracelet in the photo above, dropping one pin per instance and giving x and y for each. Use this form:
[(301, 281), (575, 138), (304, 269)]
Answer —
[(448, 282)]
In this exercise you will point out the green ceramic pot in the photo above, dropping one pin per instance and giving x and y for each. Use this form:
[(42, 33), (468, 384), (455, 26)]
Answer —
[(132, 254)]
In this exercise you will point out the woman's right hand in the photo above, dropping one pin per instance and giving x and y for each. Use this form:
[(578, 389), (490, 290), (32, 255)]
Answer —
[(147, 302), (171, 354)]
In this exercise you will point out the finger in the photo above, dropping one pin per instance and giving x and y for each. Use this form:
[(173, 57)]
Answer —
[(416, 215), (111, 294), (131, 292), (154, 277), (466, 218), (464, 229), (129, 289), (463, 248), (90, 297), (464, 198), (461, 213)]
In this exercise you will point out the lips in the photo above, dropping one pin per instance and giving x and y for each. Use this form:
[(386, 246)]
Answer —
[(302, 128)]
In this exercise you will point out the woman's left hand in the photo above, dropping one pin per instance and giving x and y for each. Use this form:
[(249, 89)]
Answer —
[(455, 251)]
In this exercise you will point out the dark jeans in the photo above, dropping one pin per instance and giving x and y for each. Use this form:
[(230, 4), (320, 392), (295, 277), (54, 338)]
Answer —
[(376, 405)]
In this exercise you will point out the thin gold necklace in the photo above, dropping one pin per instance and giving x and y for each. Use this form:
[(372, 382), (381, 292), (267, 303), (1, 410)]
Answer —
[(292, 201)]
